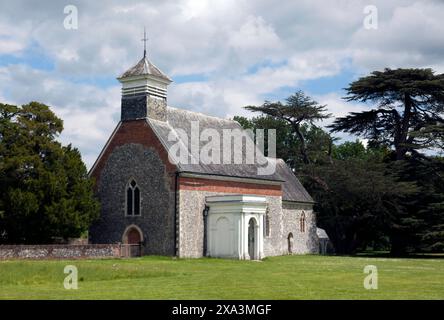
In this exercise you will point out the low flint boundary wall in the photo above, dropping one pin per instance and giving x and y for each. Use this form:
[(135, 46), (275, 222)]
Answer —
[(60, 251)]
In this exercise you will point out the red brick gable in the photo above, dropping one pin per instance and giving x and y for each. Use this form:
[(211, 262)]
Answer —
[(136, 131), (139, 131), (220, 186)]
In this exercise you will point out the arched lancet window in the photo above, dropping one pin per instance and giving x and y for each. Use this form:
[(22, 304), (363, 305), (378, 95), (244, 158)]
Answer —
[(302, 222), (266, 224), (132, 199), (290, 243)]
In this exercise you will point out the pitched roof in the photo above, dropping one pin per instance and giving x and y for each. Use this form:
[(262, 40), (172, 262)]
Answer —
[(179, 119), (292, 188), (321, 233), (144, 67)]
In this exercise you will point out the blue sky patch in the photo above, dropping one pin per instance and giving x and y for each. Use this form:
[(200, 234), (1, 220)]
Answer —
[(198, 77), (33, 56)]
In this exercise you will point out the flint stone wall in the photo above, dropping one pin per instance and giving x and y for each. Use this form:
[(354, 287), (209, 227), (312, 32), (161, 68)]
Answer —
[(142, 106), (134, 161), (59, 251), (303, 242)]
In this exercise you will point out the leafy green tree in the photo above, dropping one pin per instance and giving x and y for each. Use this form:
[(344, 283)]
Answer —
[(318, 143), (349, 150), (286, 143), (299, 109), (409, 119), (364, 197), (359, 197), (407, 102), (433, 136), (421, 226), (45, 191), (355, 195), (356, 150)]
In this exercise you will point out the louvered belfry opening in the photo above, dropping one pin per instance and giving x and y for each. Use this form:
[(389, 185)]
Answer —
[(144, 92)]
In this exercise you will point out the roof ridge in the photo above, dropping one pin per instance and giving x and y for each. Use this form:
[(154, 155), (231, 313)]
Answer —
[(201, 114)]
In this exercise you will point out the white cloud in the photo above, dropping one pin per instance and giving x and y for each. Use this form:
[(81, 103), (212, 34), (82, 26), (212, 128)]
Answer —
[(227, 97), (12, 39), (254, 34), (89, 113), (411, 37), (246, 50)]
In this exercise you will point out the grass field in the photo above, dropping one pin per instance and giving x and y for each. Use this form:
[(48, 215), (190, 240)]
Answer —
[(287, 277)]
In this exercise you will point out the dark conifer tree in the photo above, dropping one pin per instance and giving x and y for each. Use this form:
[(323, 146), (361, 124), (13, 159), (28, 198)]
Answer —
[(45, 191)]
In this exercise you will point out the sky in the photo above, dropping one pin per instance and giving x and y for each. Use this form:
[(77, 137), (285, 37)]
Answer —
[(222, 55)]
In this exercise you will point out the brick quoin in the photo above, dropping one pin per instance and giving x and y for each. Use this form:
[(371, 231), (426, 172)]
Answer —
[(135, 131), (203, 184)]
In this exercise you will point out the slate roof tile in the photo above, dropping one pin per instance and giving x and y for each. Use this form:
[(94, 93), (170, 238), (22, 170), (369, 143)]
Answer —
[(144, 67)]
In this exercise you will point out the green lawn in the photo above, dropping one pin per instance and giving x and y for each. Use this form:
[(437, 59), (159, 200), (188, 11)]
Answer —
[(287, 277)]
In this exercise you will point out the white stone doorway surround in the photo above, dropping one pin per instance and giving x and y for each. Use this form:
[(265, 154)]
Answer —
[(235, 226)]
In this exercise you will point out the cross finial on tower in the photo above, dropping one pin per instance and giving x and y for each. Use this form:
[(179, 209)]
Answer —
[(145, 39)]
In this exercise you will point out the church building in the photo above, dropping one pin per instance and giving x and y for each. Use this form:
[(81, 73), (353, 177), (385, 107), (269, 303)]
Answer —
[(165, 207)]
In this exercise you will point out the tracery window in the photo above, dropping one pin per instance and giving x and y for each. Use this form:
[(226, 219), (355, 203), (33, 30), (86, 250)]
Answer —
[(132, 199)]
